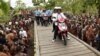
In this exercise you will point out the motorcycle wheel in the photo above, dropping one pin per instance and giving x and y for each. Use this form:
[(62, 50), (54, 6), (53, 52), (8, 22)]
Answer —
[(65, 40), (46, 23)]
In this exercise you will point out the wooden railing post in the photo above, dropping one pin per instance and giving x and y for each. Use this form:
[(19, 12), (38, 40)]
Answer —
[(85, 44), (37, 51)]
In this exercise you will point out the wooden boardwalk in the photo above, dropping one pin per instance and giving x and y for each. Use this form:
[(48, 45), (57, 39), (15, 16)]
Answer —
[(48, 48)]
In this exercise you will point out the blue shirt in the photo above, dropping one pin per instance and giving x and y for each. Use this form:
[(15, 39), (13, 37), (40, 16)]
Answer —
[(49, 12), (37, 13), (98, 38)]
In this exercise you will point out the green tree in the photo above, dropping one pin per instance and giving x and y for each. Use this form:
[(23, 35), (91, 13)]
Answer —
[(76, 6), (36, 2), (4, 6), (95, 3), (4, 11), (50, 5)]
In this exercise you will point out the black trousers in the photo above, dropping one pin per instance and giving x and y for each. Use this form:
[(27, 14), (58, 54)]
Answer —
[(98, 45), (55, 28), (45, 22), (49, 19), (80, 35), (37, 20), (56, 34), (41, 20)]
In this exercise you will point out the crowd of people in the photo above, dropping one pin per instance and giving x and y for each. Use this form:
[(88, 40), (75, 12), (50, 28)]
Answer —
[(15, 36), (87, 28), (43, 16)]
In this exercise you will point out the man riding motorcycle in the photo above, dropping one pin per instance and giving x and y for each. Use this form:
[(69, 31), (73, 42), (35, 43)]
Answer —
[(57, 18)]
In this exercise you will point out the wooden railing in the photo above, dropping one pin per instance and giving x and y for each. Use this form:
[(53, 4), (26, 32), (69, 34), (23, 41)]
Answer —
[(88, 46), (37, 51)]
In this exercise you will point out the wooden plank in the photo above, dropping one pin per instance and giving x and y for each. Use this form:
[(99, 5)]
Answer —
[(64, 52), (56, 42), (49, 39), (88, 54), (61, 49), (57, 47), (77, 53), (59, 44)]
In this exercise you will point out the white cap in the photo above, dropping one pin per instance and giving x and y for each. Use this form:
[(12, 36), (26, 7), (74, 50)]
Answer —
[(57, 8)]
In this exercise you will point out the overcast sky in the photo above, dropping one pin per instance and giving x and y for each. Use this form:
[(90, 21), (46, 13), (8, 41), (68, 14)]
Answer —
[(27, 2)]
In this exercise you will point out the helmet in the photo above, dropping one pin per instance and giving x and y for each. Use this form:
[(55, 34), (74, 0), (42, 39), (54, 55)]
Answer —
[(57, 8)]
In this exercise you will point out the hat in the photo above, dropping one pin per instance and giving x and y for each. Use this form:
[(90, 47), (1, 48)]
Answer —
[(57, 8)]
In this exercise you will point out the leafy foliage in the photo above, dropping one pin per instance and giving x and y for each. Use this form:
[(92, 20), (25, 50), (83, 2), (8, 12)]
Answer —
[(4, 11), (76, 6), (50, 5), (4, 7)]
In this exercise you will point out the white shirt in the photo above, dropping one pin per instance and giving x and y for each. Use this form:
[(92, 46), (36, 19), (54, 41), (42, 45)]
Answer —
[(26, 21), (23, 33), (30, 19), (8, 29), (16, 23), (56, 16), (10, 23)]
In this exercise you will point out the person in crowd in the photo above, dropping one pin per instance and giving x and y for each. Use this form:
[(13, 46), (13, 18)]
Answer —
[(20, 52), (98, 40), (2, 53), (45, 18), (37, 14), (49, 14)]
